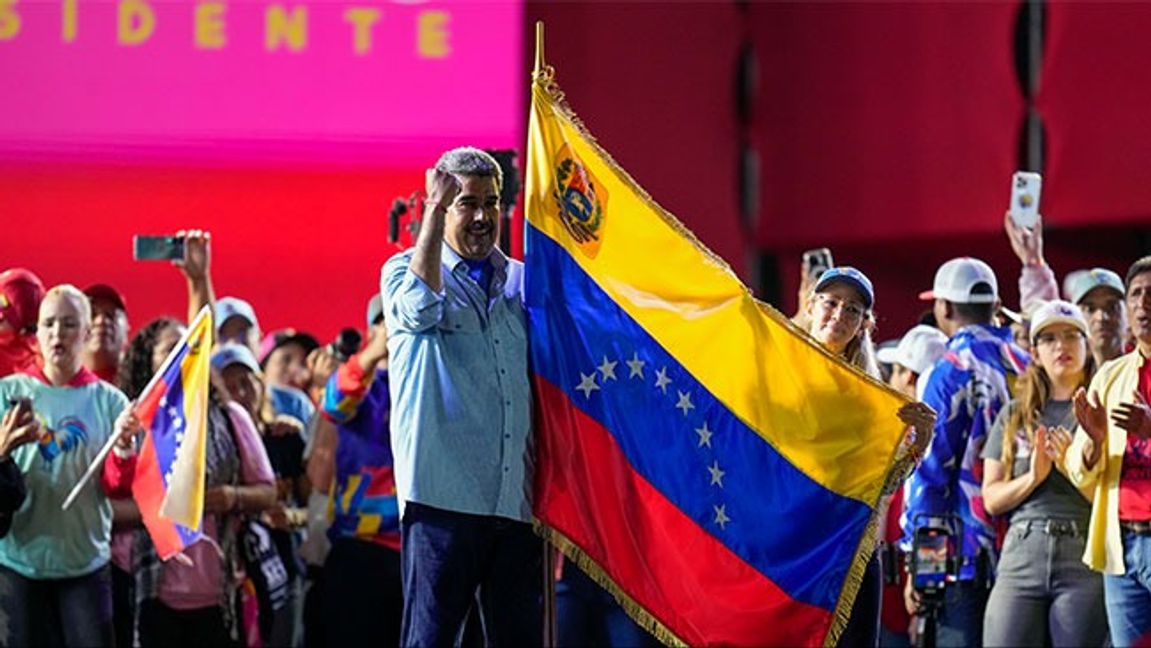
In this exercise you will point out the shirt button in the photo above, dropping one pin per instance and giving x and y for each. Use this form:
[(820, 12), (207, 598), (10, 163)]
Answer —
[(507, 436), (506, 469), (497, 340), (502, 371)]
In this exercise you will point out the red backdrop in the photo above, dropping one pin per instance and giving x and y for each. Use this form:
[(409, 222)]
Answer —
[(888, 132), (1094, 98), (303, 245)]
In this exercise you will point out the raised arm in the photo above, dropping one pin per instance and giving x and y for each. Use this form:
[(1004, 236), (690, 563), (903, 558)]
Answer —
[(197, 269), (442, 189)]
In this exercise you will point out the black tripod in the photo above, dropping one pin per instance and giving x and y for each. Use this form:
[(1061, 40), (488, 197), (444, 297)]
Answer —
[(927, 618)]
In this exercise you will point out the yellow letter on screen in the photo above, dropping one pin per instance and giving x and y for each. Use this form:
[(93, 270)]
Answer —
[(9, 20), (136, 22), (282, 28), (434, 34), (362, 19), (210, 25), (68, 21)]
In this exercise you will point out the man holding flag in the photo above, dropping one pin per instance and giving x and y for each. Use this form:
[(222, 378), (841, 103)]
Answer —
[(461, 415)]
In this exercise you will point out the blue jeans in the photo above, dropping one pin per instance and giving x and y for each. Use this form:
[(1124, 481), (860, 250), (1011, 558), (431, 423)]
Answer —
[(1129, 596), (449, 559), (68, 611)]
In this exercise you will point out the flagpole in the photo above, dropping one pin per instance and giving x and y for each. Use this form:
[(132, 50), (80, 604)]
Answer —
[(549, 576), (103, 454), (540, 65)]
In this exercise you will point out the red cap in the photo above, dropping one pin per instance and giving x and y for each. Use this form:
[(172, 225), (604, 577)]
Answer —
[(104, 291), (20, 295)]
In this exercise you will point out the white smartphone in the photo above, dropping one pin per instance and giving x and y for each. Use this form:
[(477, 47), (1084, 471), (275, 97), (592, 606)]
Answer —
[(1025, 189)]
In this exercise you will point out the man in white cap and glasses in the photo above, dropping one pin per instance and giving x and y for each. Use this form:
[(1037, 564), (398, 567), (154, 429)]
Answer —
[(967, 387)]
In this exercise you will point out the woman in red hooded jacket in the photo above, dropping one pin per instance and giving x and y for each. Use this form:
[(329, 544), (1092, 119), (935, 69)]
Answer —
[(20, 295)]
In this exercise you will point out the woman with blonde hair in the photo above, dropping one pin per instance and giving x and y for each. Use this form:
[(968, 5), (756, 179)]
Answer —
[(55, 584), (1043, 592)]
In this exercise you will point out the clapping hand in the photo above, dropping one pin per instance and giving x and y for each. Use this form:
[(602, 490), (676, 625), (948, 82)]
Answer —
[(1134, 417)]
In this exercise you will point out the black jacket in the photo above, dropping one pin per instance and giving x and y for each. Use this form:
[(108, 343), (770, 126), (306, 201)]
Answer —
[(12, 493)]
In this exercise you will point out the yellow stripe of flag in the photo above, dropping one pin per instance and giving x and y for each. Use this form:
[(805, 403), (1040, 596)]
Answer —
[(743, 351)]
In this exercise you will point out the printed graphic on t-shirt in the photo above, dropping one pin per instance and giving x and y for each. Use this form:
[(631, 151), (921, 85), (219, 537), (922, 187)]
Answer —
[(66, 437)]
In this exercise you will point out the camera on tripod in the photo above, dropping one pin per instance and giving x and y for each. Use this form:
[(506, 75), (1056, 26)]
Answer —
[(935, 558)]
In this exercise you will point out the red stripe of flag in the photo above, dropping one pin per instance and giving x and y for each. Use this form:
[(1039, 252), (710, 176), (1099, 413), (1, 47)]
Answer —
[(675, 570)]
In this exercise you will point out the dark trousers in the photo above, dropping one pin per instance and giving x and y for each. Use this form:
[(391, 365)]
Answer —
[(122, 606), (449, 557), (586, 615), (363, 595), (314, 630), (863, 627), (62, 612), (161, 626)]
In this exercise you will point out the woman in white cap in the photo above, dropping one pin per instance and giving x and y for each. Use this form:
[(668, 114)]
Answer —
[(840, 317), (1043, 592)]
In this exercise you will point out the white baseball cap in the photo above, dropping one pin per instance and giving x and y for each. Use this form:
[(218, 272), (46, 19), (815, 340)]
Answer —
[(228, 307), (958, 279), (917, 350), (1079, 283), (1056, 311)]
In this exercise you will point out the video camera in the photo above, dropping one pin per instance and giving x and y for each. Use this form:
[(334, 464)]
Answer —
[(346, 344)]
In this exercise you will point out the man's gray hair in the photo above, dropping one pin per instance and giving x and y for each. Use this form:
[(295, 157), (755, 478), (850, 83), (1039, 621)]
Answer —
[(471, 161)]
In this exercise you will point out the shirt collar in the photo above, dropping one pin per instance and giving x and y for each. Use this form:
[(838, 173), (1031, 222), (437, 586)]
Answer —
[(82, 377), (454, 260)]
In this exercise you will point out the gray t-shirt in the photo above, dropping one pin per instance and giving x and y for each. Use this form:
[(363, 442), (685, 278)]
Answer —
[(1055, 497)]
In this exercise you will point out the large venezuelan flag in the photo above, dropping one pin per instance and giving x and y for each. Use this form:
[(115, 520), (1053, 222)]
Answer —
[(697, 454), (169, 481)]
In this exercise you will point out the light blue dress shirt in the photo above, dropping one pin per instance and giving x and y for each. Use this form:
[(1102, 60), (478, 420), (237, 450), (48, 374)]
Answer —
[(461, 400)]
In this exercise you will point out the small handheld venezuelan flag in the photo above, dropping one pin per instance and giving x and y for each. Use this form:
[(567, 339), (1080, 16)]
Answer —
[(173, 409)]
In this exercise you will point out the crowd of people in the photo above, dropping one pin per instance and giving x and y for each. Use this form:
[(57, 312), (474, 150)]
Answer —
[(380, 494)]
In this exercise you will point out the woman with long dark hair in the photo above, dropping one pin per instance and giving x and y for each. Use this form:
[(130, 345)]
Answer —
[(193, 602)]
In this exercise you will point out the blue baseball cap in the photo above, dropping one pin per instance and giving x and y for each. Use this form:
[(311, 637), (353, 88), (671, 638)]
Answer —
[(851, 277), (231, 353)]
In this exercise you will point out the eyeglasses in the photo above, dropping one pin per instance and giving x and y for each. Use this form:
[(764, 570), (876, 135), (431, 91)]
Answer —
[(852, 310), (1069, 337)]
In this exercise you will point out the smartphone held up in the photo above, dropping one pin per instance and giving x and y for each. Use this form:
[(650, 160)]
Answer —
[(816, 262), (1025, 189), (157, 248)]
